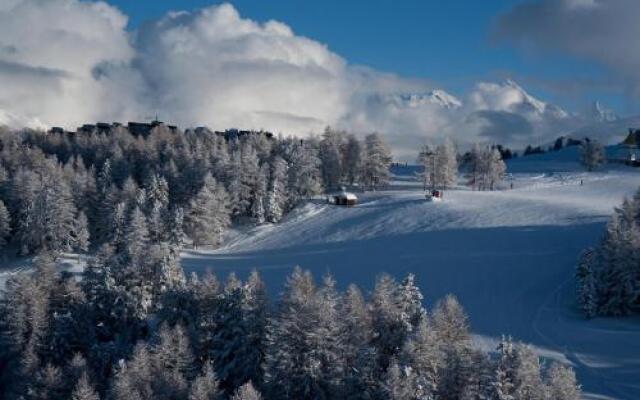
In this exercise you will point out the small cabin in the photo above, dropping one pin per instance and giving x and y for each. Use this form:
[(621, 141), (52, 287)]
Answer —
[(343, 198)]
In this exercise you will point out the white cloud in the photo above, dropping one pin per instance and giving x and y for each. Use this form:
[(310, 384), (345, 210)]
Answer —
[(606, 32), (66, 62), (215, 68), (48, 54)]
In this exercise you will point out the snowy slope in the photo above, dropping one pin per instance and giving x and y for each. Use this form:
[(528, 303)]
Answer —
[(508, 255)]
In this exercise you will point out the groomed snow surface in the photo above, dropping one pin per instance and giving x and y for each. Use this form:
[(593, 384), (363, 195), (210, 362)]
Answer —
[(508, 255)]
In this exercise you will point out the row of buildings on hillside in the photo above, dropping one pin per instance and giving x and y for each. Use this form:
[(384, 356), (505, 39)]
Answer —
[(144, 129)]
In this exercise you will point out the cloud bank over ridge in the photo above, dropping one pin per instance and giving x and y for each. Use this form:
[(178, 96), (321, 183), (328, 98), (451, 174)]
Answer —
[(66, 62)]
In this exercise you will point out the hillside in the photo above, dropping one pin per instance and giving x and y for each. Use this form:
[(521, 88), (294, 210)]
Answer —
[(508, 255)]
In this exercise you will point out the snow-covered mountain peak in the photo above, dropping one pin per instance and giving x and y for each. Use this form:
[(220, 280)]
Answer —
[(600, 113), (511, 97), (435, 97)]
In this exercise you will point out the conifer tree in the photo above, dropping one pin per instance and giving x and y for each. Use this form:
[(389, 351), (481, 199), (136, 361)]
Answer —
[(427, 161), (5, 225), (422, 355), (352, 160), (446, 164), (397, 384), (246, 392), (175, 233), (81, 233), (205, 385), (330, 156), (377, 162), (561, 383), (591, 154), (305, 178), (276, 200), (208, 215), (84, 390), (504, 381), (586, 283), (136, 237)]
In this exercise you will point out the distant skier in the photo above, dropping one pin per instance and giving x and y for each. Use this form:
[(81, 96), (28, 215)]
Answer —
[(511, 185), (581, 182)]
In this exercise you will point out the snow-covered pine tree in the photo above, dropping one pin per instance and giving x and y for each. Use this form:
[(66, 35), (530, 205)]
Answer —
[(377, 162), (104, 201), (156, 222), (561, 383), (331, 159), (251, 354), (129, 192), (328, 339), (246, 392), (5, 225), (135, 377), (398, 385), (450, 322), (619, 254), (421, 354), (230, 335), (586, 289), (352, 160), (157, 190), (48, 383), (409, 300), (305, 178), (446, 164), (479, 383), (276, 202), (528, 382), (450, 325), (205, 385), (175, 231), (427, 161), (166, 271), (117, 227), (209, 213), (356, 324), (358, 355), (293, 366), (174, 362), (260, 195), (504, 380), (497, 168), (136, 238), (81, 233), (389, 328), (84, 390), (474, 167), (591, 154)]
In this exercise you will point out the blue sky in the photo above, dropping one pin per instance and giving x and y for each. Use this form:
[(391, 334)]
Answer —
[(448, 42)]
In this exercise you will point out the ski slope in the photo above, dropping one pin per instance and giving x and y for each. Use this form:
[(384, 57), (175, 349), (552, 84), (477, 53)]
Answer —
[(508, 255)]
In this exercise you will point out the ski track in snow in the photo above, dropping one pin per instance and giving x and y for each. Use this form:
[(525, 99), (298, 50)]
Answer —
[(508, 255)]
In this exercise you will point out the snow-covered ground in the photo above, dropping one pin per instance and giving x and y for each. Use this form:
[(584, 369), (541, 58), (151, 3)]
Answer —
[(508, 255)]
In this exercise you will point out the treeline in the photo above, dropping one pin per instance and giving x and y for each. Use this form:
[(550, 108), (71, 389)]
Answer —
[(199, 339), (484, 167), (62, 191), (608, 275)]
